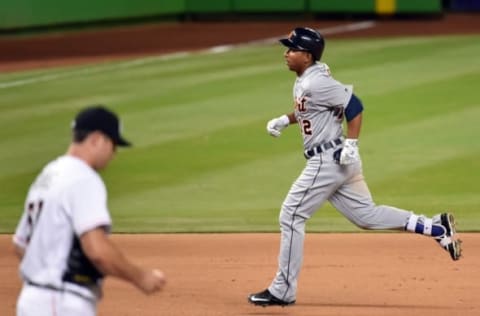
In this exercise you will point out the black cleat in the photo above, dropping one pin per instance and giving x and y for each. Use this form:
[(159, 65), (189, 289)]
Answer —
[(449, 242), (265, 298), (448, 221)]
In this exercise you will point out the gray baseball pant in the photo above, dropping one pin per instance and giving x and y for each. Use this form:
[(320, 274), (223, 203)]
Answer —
[(345, 188)]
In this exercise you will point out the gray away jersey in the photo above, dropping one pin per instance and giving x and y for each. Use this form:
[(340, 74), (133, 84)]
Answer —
[(319, 104)]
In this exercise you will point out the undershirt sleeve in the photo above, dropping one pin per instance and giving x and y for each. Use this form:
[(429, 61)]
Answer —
[(354, 107)]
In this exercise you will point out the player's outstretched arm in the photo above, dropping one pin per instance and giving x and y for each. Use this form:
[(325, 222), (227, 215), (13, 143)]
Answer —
[(353, 114), (292, 118), (107, 258), (276, 125), (354, 126)]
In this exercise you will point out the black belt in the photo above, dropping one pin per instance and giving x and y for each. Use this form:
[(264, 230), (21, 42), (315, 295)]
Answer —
[(53, 288), (322, 148)]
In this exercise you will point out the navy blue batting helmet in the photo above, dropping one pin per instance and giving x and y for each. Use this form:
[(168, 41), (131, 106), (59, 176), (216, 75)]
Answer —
[(305, 39)]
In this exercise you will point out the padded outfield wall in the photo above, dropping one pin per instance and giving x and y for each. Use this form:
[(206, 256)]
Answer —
[(20, 14)]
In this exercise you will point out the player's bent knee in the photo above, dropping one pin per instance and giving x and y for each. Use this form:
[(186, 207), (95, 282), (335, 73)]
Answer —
[(366, 220)]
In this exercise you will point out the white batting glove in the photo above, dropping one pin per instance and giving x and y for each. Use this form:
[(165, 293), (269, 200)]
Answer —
[(349, 152), (276, 125)]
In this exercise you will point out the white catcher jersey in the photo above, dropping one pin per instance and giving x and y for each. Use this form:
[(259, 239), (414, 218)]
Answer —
[(68, 198), (319, 104)]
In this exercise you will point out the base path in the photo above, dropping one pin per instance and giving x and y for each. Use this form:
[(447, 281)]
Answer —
[(369, 274)]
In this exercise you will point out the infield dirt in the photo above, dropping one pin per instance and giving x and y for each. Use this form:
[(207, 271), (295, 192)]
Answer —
[(371, 274)]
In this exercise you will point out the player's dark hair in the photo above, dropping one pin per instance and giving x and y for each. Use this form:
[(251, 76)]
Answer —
[(80, 135)]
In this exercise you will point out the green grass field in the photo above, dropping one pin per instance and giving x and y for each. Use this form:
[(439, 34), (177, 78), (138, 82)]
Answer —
[(202, 160)]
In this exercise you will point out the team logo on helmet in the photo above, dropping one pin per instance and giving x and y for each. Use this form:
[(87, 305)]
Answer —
[(292, 35)]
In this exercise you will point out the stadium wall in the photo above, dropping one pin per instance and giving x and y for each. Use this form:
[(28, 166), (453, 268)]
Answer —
[(21, 14)]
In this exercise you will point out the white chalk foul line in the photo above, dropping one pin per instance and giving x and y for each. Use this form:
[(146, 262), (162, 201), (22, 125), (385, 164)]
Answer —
[(146, 60), (91, 70)]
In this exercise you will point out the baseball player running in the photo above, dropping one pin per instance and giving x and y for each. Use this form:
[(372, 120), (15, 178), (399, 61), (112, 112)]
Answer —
[(62, 237), (333, 169)]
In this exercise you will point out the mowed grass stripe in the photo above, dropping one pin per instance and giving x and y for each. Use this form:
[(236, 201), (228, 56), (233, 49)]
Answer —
[(394, 74), (121, 88), (423, 101)]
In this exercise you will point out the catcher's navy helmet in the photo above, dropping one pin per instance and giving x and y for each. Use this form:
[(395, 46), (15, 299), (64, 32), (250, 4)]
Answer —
[(306, 39)]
